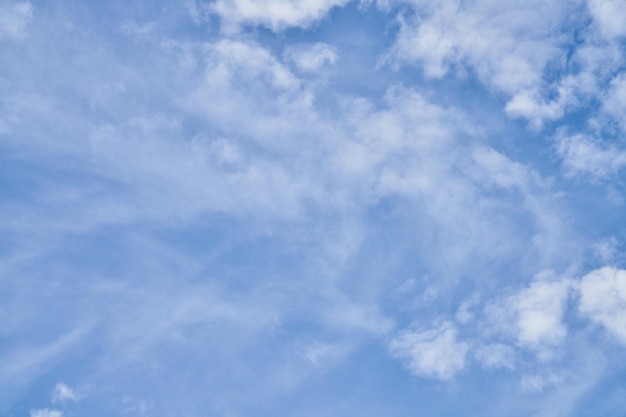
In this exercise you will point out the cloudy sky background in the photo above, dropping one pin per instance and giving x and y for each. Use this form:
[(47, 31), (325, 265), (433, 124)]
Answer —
[(312, 208)]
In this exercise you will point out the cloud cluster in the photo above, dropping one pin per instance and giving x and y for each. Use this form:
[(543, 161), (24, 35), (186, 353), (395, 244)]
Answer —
[(507, 46), (274, 14), (544, 57), (532, 319), (221, 220)]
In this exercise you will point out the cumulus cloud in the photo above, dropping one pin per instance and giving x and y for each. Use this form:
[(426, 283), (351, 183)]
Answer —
[(531, 105), (507, 44), (533, 317), (584, 155), (603, 300), (609, 16), (432, 353), (14, 18), (274, 14), (522, 49), (540, 308)]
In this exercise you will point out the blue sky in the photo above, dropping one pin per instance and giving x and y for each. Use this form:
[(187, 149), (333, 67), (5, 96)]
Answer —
[(312, 208)]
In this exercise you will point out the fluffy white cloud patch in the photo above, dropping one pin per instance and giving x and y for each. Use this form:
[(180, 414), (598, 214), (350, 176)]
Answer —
[(14, 17), (539, 310), (63, 393), (433, 353), (603, 300), (533, 317), (609, 16), (508, 44), (516, 48), (583, 155), (274, 14)]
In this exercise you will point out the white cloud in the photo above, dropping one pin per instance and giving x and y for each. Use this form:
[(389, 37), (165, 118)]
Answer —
[(63, 393), (274, 14), (311, 57), (603, 300), (252, 60), (583, 155), (539, 309), (14, 17), (431, 354), (509, 46), (45, 412), (532, 106), (533, 317), (609, 15)]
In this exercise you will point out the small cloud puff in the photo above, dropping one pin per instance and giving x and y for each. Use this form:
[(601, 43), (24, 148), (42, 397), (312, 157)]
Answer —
[(533, 316), (540, 308), (311, 57), (63, 393), (433, 353), (603, 300)]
